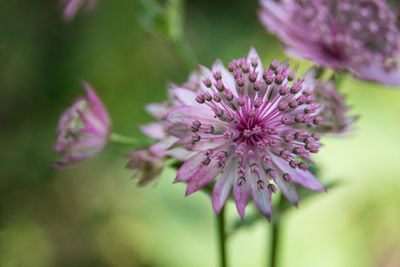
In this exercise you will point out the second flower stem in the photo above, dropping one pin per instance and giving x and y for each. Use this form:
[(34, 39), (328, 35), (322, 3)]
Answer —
[(274, 243), (222, 237)]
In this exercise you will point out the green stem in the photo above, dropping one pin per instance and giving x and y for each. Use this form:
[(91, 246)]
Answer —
[(121, 139), (274, 243), (275, 233), (222, 237)]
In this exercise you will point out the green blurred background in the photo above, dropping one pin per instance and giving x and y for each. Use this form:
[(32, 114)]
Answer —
[(94, 215)]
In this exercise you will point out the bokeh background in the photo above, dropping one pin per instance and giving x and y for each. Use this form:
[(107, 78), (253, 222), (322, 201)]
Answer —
[(94, 215)]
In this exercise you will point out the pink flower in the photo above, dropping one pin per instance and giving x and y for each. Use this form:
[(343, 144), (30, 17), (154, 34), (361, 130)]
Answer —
[(83, 129), (148, 163), (71, 7), (359, 36), (251, 130), (333, 109)]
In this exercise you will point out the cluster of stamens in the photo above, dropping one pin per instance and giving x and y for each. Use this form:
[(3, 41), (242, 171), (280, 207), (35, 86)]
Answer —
[(267, 113), (361, 32)]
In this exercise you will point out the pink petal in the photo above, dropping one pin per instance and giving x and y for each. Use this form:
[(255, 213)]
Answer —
[(241, 195), (202, 176), (98, 108), (223, 186), (377, 73), (187, 97), (304, 178), (253, 54), (187, 114), (227, 77), (154, 130), (157, 110), (188, 168), (288, 189), (261, 198)]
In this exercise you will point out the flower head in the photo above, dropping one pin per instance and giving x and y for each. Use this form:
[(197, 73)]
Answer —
[(148, 163), (333, 109), (83, 129), (71, 7), (251, 128), (360, 36)]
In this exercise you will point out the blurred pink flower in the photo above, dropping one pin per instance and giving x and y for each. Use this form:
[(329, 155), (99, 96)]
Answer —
[(334, 111), (71, 7), (83, 129), (250, 127), (359, 36), (148, 163)]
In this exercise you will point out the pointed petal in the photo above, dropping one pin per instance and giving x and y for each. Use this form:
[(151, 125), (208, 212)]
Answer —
[(261, 198), (288, 189), (202, 176), (304, 178), (227, 77), (241, 195), (157, 110), (253, 54), (98, 108), (377, 73), (154, 130), (189, 168), (223, 186), (186, 96), (187, 114)]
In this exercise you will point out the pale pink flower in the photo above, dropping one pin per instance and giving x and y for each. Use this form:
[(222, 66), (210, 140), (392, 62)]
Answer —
[(148, 163), (251, 130), (83, 129), (71, 7), (359, 36)]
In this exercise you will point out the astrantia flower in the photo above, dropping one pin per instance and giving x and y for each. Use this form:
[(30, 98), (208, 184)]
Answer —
[(71, 7), (251, 130), (360, 36), (83, 129), (333, 109), (148, 163)]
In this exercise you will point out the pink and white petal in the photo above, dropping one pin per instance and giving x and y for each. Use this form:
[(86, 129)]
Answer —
[(71, 9), (223, 186), (186, 96), (92, 124), (187, 114), (98, 108), (253, 54), (261, 198), (189, 168), (179, 153), (202, 177), (241, 195), (304, 178), (157, 110), (288, 189), (88, 143), (154, 130), (377, 73), (227, 77)]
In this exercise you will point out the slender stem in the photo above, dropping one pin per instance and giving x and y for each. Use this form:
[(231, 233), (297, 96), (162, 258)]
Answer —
[(121, 139), (275, 233), (274, 243), (222, 237)]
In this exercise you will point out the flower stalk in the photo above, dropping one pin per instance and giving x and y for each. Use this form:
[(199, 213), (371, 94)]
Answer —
[(274, 243), (222, 237), (125, 140)]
